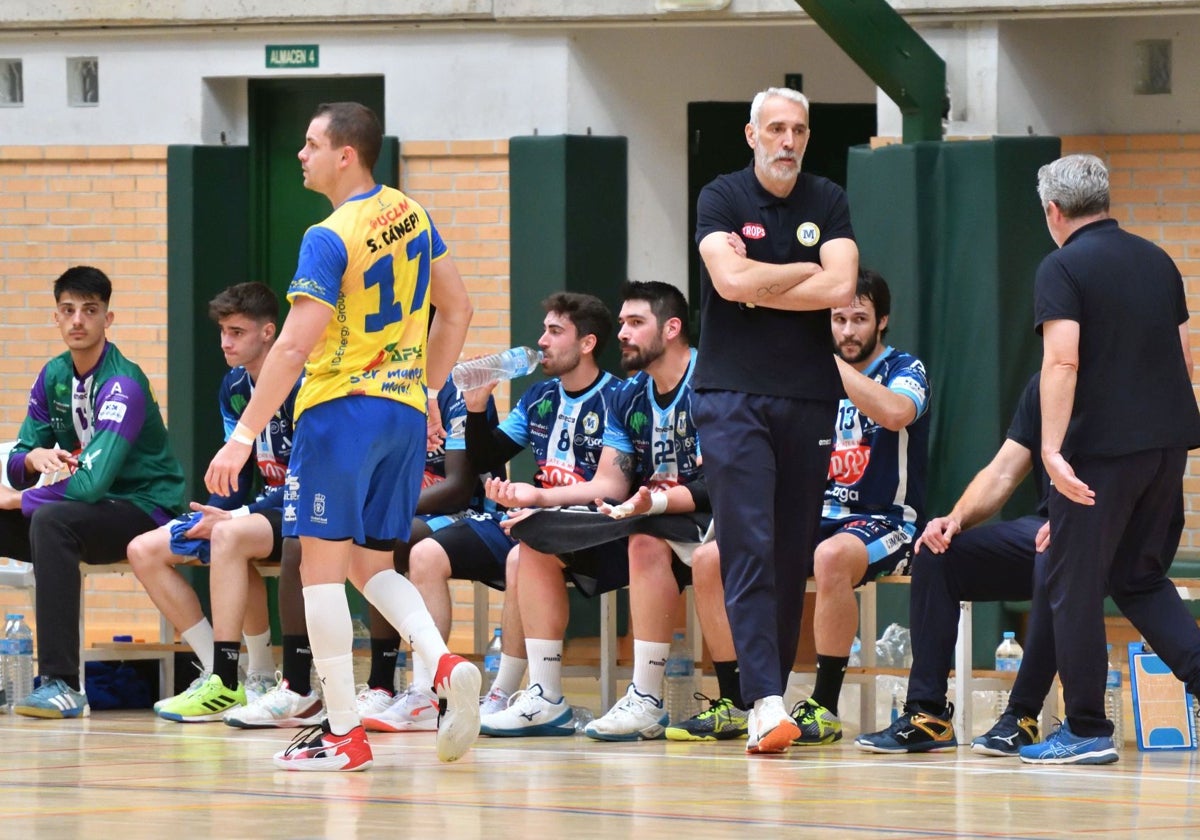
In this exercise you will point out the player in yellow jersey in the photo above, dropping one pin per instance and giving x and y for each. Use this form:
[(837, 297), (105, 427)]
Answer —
[(360, 328)]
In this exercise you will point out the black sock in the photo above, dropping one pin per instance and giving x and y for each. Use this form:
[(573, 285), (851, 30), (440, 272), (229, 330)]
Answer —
[(225, 662), (831, 670), (383, 664), (729, 681), (297, 664)]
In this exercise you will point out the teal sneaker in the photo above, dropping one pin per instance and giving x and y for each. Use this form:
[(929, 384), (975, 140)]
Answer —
[(54, 699), (208, 701)]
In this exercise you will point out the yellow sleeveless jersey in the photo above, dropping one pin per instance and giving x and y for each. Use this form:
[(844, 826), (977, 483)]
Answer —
[(370, 263)]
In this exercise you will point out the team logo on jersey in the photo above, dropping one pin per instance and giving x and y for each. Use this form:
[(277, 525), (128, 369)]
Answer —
[(808, 234), (638, 422), (319, 508), (87, 460), (847, 464), (753, 230), (681, 424), (116, 389), (238, 403), (591, 422), (111, 410), (544, 407)]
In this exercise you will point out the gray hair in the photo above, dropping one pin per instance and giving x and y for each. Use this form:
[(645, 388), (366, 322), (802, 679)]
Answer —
[(785, 93), (1078, 184)]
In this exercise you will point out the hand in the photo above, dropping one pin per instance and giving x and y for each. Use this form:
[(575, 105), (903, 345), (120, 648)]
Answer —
[(938, 534), (476, 399), (222, 474), (1064, 480), (1042, 541), (435, 433), (512, 494), (209, 516), (736, 243), (46, 461), (10, 499), (516, 515), (635, 505)]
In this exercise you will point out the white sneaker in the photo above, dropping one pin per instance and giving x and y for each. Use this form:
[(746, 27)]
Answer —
[(371, 701), (530, 713), (413, 711), (496, 700), (771, 728), (258, 684), (279, 708), (635, 717)]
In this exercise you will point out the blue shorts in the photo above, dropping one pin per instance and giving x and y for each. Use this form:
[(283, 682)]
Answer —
[(355, 471), (477, 547), (889, 542)]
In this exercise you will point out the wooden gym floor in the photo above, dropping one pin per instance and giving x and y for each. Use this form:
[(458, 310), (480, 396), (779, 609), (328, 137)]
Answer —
[(130, 776)]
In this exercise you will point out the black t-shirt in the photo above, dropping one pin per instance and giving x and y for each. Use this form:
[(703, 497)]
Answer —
[(1133, 391), (758, 350), (1026, 429)]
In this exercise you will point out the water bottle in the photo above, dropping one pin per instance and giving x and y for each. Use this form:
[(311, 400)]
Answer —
[(5, 666), (19, 649), (855, 660), (401, 680), (680, 680), (1008, 659), (485, 370), (583, 716), (491, 660), (1113, 701)]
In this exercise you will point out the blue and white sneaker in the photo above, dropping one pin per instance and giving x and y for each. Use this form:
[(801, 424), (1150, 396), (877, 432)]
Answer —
[(1065, 747), (54, 699), (530, 713)]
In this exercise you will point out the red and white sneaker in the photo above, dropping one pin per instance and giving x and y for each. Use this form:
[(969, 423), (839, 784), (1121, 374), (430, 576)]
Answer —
[(316, 748), (457, 683)]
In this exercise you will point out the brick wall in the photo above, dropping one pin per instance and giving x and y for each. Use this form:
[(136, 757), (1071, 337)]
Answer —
[(1155, 183), (61, 206), (106, 206)]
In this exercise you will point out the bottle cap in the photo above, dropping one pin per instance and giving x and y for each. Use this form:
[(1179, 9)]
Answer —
[(1009, 634)]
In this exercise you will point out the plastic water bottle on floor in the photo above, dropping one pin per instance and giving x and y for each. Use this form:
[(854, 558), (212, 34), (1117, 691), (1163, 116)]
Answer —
[(19, 648), (583, 716), (680, 680), (475, 373), (1114, 701), (491, 661), (1008, 660), (5, 667), (401, 680)]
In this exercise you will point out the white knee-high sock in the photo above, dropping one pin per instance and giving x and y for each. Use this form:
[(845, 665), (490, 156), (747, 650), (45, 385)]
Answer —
[(331, 636), (545, 666), (400, 603), (649, 665), (260, 659), (199, 637)]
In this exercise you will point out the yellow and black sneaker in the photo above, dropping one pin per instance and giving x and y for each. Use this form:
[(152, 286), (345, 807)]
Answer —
[(723, 721), (912, 732), (817, 724), (1007, 736)]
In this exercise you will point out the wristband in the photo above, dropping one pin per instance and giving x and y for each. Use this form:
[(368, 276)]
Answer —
[(658, 502), (236, 512), (242, 434)]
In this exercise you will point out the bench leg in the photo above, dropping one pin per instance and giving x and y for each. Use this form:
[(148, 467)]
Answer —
[(608, 651), (963, 685)]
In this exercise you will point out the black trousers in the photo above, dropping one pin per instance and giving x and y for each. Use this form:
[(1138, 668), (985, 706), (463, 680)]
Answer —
[(1116, 546), (987, 563), (56, 539), (766, 460)]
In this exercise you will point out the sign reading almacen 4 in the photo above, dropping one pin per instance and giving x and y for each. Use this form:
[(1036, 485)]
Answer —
[(293, 55)]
